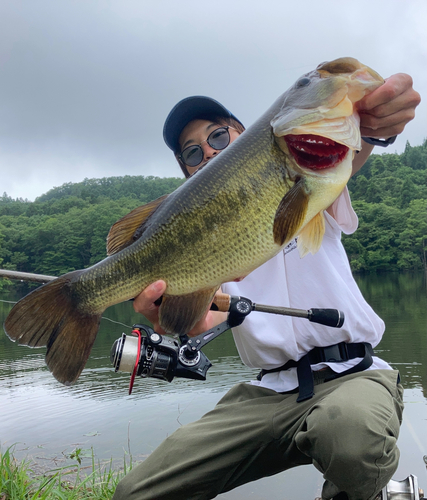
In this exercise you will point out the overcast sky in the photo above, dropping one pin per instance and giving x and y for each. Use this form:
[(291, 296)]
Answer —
[(85, 86)]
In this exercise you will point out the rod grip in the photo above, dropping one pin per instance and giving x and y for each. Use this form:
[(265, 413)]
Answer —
[(328, 317), (221, 302)]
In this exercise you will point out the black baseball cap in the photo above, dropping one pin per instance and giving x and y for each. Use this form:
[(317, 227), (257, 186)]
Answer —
[(187, 110)]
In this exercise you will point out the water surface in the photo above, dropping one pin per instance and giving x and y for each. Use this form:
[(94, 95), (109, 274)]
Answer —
[(48, 421)]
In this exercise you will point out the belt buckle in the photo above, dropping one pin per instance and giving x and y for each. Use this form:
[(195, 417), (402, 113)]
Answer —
[(335, 353)]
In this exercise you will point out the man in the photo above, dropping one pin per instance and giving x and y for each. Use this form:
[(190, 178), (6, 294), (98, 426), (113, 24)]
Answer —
[(343, 416)]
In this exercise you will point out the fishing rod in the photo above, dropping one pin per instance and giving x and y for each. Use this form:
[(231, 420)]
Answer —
[(20, 276), (222, 302)]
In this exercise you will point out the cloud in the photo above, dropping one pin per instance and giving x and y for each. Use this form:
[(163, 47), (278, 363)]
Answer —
[(85, 86)]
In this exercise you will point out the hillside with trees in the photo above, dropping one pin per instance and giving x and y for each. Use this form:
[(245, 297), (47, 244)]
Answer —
[(66, 228), (389, 195)]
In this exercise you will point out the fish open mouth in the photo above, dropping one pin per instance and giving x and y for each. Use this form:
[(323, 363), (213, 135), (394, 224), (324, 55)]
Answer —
[(314, 151)]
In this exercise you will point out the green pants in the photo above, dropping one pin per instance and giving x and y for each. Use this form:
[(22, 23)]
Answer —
[(348, 431)]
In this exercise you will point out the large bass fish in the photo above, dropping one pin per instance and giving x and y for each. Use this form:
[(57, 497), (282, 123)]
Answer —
[(272, 184)]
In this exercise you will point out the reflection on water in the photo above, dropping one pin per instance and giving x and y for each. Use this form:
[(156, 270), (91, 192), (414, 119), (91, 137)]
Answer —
[(48, 420), (400, 299)]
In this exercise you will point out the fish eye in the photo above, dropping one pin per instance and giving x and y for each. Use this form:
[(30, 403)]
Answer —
[(303, 82)]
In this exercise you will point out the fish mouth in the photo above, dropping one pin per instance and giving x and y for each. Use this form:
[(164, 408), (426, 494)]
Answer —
[(315, 152)]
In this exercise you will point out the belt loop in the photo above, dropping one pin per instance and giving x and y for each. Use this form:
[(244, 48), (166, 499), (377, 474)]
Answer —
[(305, 379)]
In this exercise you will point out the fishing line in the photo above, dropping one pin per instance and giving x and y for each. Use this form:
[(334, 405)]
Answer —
[(7, 301), (414, 436), (103, 317), (117, 322)]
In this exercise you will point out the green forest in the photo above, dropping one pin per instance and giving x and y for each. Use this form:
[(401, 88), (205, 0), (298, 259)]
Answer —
[(66, 228)]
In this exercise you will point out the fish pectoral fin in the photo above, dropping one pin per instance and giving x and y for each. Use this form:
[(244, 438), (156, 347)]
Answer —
[(290, 214), (311, 236), (179, 313), (130, 227)]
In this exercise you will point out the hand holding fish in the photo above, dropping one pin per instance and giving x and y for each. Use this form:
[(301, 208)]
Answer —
[(144, 304), (386, 111)]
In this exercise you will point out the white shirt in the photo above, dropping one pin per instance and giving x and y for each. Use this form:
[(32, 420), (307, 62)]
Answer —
[(323, 280)]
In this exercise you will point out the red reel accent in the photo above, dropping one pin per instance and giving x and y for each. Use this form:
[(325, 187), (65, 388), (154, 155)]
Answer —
[(137, 333)]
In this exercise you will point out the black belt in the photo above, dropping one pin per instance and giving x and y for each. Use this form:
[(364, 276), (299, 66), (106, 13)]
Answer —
[(336, 353)]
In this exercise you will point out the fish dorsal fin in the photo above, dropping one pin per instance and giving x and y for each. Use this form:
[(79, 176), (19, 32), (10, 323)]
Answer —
[(130, 227), (179, 313), (290, 213), (311, 236)]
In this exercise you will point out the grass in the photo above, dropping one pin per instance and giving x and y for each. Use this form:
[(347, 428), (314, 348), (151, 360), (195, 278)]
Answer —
[(19, 481)]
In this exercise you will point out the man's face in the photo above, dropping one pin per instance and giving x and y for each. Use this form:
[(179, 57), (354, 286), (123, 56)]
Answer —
[(195, 133)]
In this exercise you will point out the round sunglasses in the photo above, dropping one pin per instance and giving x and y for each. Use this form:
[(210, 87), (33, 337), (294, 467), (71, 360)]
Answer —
[(218, 139)]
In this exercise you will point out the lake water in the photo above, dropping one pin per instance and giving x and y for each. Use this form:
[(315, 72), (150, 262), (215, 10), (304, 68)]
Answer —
[(47, 421)]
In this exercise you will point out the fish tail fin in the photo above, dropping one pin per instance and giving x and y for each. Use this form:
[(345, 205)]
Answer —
[(50, 316)]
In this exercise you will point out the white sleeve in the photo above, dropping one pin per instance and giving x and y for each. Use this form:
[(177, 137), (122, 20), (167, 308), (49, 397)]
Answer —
[(343, 214)]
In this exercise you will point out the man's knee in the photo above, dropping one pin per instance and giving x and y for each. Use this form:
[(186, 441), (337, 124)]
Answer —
[(122, 491)]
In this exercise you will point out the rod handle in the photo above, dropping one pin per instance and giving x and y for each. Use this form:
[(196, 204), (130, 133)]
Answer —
[(328, 317), (221, 302)]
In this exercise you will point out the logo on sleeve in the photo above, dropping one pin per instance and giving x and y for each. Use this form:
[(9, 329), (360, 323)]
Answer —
[(290, 246)]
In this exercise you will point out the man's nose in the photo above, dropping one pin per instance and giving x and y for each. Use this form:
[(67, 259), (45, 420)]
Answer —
[(208, 151)]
